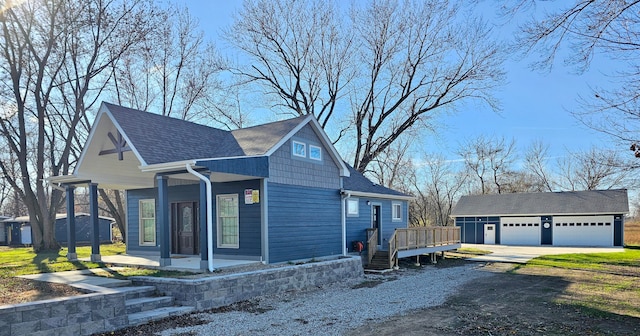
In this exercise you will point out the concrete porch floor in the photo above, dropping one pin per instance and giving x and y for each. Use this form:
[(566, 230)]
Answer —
[(178, 263)]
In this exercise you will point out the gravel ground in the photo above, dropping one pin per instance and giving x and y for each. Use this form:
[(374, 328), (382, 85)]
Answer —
[(336, 309)]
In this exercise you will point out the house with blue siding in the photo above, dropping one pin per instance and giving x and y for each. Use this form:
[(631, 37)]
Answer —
[(276, 192), (17, 231)]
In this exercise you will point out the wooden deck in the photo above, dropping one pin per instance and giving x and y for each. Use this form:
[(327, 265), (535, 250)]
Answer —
[(416, 241)]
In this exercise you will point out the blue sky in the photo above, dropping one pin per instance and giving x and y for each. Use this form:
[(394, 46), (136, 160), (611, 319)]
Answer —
[(534, 104)]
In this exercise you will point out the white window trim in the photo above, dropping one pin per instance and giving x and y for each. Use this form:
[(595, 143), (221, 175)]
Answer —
[(141, 225), (219, 224), (293, 148), (319, 151), (355, 213), (396, 216)]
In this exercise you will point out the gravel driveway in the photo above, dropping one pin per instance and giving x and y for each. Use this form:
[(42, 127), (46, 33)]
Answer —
[(338, 308)]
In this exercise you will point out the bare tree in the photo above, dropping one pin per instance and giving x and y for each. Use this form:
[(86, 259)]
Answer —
[(394, 65), (299, 51), (489, 160), (436, 192), (173, 70), (594, 169), (421, 58), (394, 166), (54, 54), (609, 29), (535, 162)]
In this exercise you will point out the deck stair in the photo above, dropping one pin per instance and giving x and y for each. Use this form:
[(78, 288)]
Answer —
[(407, 242), (143, 305), (380, 261)]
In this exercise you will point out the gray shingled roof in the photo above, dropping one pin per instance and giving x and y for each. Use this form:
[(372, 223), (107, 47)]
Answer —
[(358, 182), (258, 140), (160, 139), (550, 203)]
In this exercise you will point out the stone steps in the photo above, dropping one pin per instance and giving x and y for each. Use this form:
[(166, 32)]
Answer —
[(139, 305), (156, 314), (144, 305)]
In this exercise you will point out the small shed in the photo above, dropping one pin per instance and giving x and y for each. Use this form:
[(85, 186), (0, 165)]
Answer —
[(576, 218), (17, 231)]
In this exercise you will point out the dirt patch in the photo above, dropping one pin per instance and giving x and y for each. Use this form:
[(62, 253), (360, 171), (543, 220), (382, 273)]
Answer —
[(17, 290), (528, 301)]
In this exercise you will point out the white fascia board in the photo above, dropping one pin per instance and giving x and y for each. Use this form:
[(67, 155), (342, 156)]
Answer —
[(64, 179), (344, 171), (376, 195), (167, 166), (540, 214)]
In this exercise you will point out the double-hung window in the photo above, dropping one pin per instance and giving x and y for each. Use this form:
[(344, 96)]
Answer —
[(228, 221), (396, 211), (352, 207), (147, 222)]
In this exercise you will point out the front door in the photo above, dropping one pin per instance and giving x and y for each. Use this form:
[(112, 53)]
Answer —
[(376, 222), (185, 228), (490, 234)]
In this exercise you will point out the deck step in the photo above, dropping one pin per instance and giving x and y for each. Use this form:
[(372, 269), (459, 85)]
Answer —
[(142, 304), (157, 314), (380, 261)]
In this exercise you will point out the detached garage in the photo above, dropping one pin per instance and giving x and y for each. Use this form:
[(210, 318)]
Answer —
[(576, 218)]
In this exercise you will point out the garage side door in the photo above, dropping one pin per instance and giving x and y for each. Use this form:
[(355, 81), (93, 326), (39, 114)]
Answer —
[(520, 230), (583, 231)]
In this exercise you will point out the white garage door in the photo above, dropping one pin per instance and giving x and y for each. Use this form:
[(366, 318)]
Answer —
[(520, 230), (583, 231)]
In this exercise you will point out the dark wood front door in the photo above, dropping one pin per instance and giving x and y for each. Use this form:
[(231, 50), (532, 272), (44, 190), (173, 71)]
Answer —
[(185, 227)]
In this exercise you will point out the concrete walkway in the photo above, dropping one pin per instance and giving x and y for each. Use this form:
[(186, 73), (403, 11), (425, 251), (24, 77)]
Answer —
[(82, 279), (86, 280), (522, 254)]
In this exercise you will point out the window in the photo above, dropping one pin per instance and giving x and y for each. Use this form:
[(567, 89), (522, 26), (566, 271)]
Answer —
[(396, 211), (147, 209), (228, 224), (352, 207), (315, 153), (299, 149)]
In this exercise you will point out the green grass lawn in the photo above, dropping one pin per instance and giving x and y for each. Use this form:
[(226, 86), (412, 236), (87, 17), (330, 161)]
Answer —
[(23, 260), (601, 284), (595, 261)]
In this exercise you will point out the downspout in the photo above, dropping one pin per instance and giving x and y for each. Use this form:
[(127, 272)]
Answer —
[(209, 215), (344, 222)]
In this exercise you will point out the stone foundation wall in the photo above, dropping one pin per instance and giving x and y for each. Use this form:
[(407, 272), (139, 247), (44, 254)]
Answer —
[(218, 291), (100, 312), (77, 315)]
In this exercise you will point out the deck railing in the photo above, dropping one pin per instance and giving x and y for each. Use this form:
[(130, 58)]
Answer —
[(372, 243), (421, 237)]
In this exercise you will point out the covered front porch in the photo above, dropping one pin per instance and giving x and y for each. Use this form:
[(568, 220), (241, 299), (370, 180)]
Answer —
[(172, 217)]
